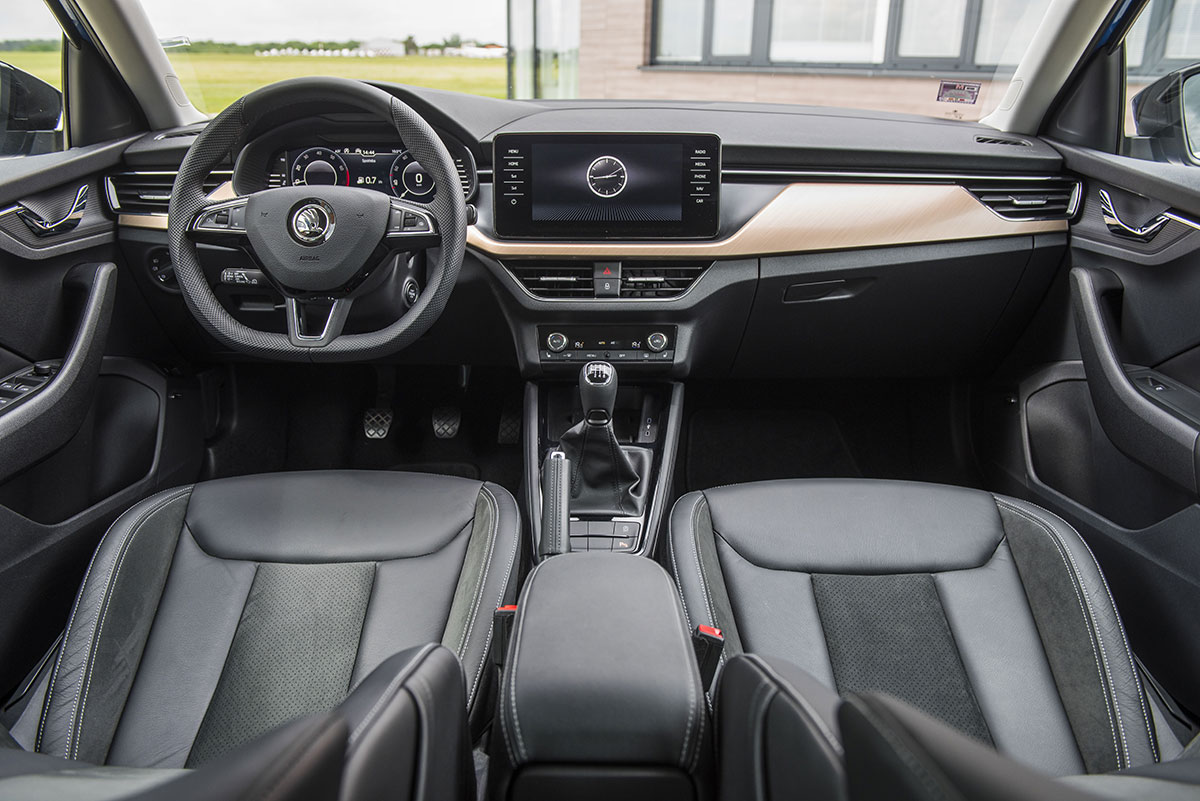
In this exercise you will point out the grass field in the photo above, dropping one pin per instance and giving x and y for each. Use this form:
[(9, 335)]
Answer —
[(214, 80)]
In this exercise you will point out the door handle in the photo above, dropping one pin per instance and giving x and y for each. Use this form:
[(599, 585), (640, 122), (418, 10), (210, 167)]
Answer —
[(1122, 229), (43, 227)]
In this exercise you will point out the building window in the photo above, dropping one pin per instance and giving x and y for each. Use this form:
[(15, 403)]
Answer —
[(920, 35), (1165, 37)]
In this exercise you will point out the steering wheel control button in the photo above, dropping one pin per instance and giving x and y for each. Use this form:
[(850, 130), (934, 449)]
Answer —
[(236, 276), (312, 222), (556, 342)]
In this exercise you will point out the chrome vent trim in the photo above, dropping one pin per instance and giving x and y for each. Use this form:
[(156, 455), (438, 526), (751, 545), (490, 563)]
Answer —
[(659, 279), (1047, 199), (555, 280), (149, 192)]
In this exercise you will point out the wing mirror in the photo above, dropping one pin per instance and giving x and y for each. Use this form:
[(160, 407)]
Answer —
[(1167, 115), (28, 104)]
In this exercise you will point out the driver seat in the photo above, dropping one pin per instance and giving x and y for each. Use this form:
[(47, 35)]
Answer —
[(215, 614)]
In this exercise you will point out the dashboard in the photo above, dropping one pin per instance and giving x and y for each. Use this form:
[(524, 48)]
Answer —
[(757, 240)]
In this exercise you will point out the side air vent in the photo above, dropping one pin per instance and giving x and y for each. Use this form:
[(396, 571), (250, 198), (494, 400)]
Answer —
[(572, 280), (659, 279), (149, 192), (999, 140), (1031, 199)]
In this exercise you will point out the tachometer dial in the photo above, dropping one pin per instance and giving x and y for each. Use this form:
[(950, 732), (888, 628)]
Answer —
[(409, 180), (320, 166)]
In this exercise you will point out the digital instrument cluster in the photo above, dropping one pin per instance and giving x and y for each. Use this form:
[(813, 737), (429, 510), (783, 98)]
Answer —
[(390, 169)]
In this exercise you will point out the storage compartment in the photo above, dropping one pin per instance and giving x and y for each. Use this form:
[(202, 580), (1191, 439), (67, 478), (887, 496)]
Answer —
[(602, 693), (1071, 454), (924, 310)]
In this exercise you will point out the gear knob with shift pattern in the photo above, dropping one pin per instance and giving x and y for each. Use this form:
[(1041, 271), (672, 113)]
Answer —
[(598, 392)]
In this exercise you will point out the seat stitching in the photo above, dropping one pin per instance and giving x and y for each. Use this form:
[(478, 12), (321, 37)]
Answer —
[(675, 570), (1093, 635), (793, 693), (66, 638), (390, 691), (483, 573), (512, 555), (521, 611), (700, 565), (98, 625), (692, 704), (1124, 639)]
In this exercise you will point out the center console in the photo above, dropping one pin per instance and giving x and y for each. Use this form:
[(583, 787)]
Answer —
[(619, 437)]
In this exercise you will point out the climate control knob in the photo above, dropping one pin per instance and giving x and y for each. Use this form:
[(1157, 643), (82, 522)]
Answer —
[(657, 341), (556, 342)]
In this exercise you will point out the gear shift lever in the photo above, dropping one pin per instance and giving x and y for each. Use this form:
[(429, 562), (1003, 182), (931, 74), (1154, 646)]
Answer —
[(605, 479), (598, 392)]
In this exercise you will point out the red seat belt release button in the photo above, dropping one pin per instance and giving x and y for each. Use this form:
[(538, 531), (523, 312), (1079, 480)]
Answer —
[(502, 626), (708, 642)]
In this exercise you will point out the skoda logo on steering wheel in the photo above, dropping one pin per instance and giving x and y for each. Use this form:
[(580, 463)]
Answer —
[(312, 222)]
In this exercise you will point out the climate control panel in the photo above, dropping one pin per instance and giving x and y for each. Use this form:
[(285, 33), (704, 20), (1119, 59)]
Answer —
[(614, 343)]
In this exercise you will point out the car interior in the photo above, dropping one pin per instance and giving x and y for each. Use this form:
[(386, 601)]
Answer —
[(366, 440)]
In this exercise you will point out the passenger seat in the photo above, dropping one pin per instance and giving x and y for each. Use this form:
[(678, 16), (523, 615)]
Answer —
[(986, 613)]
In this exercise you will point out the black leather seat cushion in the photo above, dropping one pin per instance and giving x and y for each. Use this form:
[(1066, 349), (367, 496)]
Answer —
[(211, 614), (986, 612), (401, 734)]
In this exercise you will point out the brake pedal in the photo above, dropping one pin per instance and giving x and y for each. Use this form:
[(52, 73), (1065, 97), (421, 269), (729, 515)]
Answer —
[(377, 423), (446, 421), (377, 420)]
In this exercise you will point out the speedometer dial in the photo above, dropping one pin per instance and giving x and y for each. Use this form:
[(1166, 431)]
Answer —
[(320, 166), (409, 180)]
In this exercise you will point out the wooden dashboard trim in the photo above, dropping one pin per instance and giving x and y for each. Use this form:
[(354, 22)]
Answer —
[(803, 217), (807, 217)]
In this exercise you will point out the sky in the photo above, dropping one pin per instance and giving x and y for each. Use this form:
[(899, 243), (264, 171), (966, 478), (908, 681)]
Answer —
[(249, 21)]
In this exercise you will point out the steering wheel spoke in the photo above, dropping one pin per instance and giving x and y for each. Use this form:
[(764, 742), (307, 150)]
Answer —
[(316, 323), (222, 223), (411, 226)]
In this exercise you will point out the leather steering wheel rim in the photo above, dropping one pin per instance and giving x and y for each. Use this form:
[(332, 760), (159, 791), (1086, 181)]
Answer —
[(283, 102)]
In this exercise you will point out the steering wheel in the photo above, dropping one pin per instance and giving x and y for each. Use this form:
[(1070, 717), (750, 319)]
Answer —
[(318, 245)]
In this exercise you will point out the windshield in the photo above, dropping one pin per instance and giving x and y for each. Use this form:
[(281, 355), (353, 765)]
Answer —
[(948, 59)]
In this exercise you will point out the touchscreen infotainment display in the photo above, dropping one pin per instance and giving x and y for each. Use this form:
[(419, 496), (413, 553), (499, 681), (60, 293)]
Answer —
[(644, 186)]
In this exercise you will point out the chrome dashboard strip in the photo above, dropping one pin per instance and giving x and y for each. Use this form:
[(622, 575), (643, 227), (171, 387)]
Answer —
[(807, 217)]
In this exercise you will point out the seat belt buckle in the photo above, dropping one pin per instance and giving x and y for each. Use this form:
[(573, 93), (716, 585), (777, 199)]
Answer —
[(502, 625), (708, 642)]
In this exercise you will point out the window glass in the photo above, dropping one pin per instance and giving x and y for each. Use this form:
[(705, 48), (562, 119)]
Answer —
[(829, 31), (31, 49), (1135, 41), (1183, 34), (1006, 28), (932, 28), (680, 30), (732, 28)]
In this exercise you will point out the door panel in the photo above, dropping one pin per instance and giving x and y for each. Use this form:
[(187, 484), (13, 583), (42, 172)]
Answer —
[(1098, 419), (106, 428)]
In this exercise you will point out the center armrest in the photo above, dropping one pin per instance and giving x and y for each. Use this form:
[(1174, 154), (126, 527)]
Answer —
[(601, 683)]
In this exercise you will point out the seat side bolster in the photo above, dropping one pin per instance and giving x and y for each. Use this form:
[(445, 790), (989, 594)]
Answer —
[(484, 584), (1083, 638), (697, 570), (408, 730), (776, 732), (108, 628)]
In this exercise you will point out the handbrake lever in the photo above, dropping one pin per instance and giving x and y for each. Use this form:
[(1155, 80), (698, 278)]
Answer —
[(556, 505)]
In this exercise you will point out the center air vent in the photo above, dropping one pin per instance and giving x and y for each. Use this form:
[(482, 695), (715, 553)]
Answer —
[(659, 279), (1027, 199), (149, 192), (578, 280), (555, 279)]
